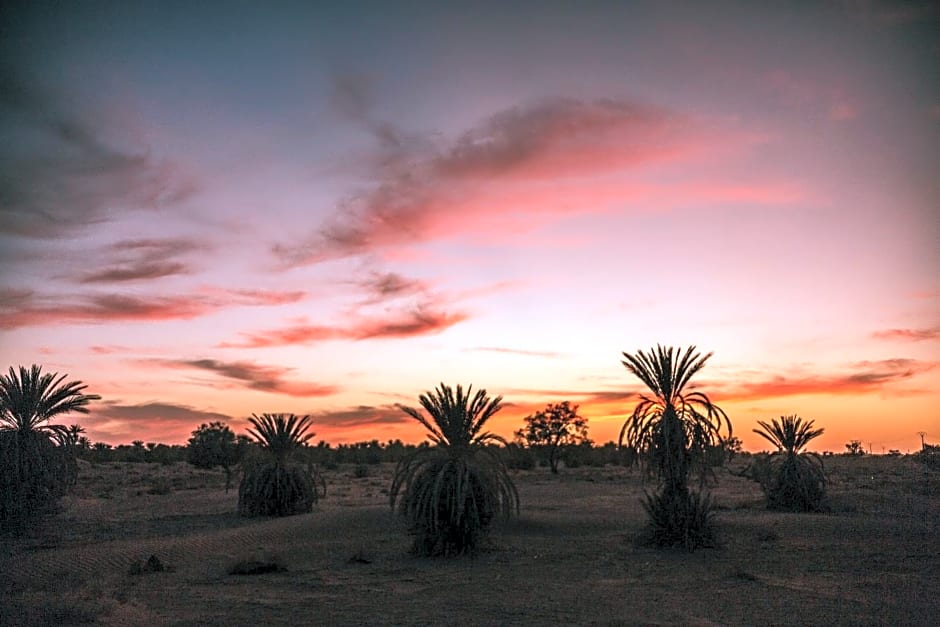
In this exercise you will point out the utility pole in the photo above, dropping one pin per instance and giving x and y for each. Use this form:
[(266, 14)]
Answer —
[(923, 445)]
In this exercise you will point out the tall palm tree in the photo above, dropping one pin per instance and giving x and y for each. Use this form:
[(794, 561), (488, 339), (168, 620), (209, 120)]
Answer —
[(795, 479), (35, 466), (674, 426), (272, 486), (451, 491)]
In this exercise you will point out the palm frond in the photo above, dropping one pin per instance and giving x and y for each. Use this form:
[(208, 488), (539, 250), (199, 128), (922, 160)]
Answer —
[(28, 397), (280, 434), (790, 433)]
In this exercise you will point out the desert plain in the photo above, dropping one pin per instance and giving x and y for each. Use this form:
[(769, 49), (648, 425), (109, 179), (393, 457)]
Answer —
[(151, 544)]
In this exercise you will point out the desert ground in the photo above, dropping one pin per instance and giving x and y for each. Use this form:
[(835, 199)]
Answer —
[(571, 557)]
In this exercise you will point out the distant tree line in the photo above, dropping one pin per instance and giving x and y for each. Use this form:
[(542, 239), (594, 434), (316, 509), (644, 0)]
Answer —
[(518, 454)]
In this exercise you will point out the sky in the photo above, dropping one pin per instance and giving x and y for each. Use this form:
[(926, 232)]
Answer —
[(214, 210)]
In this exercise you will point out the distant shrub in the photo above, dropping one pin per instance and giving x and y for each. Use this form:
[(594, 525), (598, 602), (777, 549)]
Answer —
[(854, 447), (215, 444), (255, 567), (554, 430), (929, 456), (153, 564), (160, 486), (519, 457), (723, 452)]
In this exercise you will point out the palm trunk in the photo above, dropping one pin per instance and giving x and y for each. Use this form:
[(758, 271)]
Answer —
[(675, 455)]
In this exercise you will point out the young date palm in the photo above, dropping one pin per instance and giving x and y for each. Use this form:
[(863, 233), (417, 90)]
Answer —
[(675, 428), (451, 491), (272, 486), (796, 480), (35, 467)]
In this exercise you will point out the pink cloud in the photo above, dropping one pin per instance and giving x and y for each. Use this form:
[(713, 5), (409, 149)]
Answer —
[(565, 138), (912, 335), (422, 320), (362, 415), (862, 377), (143, 259), (28, 309), (382, 286), (96, 309), (251, 376), (554, 158)]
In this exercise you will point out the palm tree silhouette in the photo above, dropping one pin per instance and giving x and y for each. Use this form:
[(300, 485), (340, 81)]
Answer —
[(796, 479), (451, 491), (36, 467), (675, 427), (273, 486)]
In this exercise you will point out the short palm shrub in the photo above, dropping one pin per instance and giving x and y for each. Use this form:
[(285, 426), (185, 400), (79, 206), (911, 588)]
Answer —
[(37, 464), (680, 519), (272, 485), (675, 429), (451, 491), (792, 480)]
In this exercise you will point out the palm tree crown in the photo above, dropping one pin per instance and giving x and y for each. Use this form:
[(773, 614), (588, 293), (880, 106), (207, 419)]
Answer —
[(790, 434), (456, 418), (280, 433), (28, 398), (671, 424)]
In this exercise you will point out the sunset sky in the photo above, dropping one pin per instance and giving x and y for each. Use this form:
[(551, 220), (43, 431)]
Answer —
[(210, 213)]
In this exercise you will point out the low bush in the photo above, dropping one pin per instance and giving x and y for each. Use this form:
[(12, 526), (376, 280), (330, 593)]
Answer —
[(451, 503), (680, 519), (270, 489), (795, 483), (34, 474)]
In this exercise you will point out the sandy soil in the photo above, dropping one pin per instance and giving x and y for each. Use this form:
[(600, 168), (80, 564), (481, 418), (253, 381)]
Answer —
[(570, 558)]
